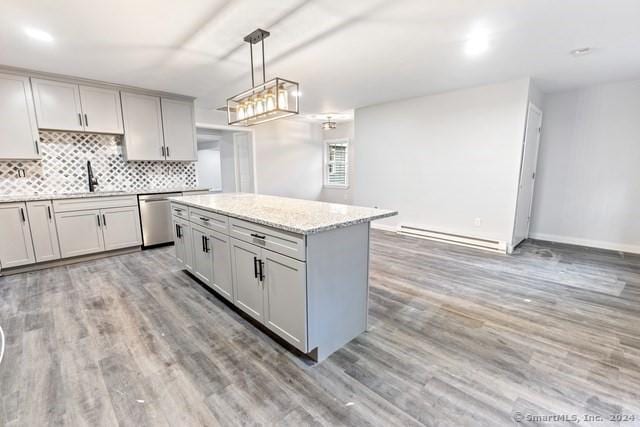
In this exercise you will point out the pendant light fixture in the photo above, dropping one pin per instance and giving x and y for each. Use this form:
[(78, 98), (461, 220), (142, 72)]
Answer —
[(329, 125), (266, 101)]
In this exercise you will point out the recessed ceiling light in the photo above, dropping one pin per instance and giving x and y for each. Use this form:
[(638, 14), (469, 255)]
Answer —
[(476, 44), (581, 52), (39, 35)]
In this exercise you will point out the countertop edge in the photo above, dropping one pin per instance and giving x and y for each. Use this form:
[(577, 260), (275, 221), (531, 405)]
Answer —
[(385, 214), (18, 198)]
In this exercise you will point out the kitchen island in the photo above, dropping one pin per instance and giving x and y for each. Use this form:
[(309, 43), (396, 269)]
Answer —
[(299, 267)]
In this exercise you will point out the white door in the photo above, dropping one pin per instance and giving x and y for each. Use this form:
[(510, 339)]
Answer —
[(202, 262), (101, 110), (15, 236), (248, 292), (285, 297), (143, 139), (221, 281), (527, 174), (58, 105), (121, 227), (79, 233), (243, 153), (43, 231), (18, 126), (179, 125)]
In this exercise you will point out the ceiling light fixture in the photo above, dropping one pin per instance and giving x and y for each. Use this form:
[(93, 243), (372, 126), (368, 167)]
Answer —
[(329, 125), (583, 51), (39, 35), (476, 44), (270, 100)]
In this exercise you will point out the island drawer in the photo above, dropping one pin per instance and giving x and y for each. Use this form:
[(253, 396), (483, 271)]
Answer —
[(280, 241), (91, 203), (181, 211), (210, 220)]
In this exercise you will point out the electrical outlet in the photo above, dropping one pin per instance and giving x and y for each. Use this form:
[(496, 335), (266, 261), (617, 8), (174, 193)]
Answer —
[(478, 222), (22, 173)]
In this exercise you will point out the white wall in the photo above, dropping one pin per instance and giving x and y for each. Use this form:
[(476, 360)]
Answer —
[(445, 160), (289, 158), (340, 195), (588, 184)]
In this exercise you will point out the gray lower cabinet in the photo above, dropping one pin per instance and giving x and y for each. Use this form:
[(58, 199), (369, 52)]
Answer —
[(16, 248), (285, 297), (182, 239), (272, 288), (43, 231), (220, 247), (202, 261), (90, 231), (80, 232), (121, 227), (248, 295)]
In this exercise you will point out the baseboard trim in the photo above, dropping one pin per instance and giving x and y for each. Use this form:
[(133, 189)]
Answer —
[(67, 261), (598, 244), (384, 227)]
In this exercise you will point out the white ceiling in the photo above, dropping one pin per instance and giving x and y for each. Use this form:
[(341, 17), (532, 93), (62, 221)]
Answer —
[(346, 54)]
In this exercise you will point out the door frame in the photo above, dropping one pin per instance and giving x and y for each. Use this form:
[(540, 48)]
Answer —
[(534, 107), (236, 159), (252, 140)]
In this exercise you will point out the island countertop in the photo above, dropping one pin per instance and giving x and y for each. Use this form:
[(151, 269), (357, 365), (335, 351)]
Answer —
[(294, 215)]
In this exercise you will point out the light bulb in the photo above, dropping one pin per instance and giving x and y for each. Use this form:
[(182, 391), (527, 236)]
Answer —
[(283, 98), (249, 112), (271, 101), (259, 105), (240, 114)]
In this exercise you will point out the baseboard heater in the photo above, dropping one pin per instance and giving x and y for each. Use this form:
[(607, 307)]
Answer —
[(472, 242)]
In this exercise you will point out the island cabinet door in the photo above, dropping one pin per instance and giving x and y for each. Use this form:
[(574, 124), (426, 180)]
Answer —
[(180, 233), (202, 261), (220, 249), (285, 297), (248, 294)]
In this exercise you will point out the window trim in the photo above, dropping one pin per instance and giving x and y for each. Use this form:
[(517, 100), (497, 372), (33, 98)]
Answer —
[(325, 163)]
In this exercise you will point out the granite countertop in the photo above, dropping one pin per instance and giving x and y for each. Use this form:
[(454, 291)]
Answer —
[(295, 215), (58, 196)]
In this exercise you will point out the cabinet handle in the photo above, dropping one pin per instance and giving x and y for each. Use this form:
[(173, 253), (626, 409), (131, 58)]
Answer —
[(49, 211), (86, 120), (104, 220), (203, 248), (37, 148), (255, 267), (22, 215), (168, 155), (204, 219), (99, 225), (80, 118), (163, 155), (206, 245), (178, 235), (261, 265), (258, 236)]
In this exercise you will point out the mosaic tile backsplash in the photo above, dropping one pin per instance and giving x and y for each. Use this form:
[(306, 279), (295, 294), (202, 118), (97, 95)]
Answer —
[(63, 167)]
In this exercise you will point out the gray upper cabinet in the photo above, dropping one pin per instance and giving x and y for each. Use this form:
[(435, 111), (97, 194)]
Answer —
[(16, 248), (101, 110), (72, 107), (143, 138), (43, 231), (178, 120), (18, 126), (57, 105)]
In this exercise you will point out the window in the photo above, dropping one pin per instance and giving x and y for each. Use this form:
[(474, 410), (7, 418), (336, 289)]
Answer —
[(336, 163)]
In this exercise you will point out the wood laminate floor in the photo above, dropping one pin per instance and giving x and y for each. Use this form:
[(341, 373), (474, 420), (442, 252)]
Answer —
[(458, 337)]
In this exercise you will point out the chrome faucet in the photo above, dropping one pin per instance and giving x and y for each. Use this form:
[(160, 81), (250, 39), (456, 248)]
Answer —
[(93, 181)]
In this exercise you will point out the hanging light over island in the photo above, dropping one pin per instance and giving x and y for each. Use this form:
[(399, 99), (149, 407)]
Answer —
[(264, 102)]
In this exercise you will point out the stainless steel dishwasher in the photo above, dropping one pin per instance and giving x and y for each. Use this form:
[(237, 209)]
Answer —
[(155, 215)]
